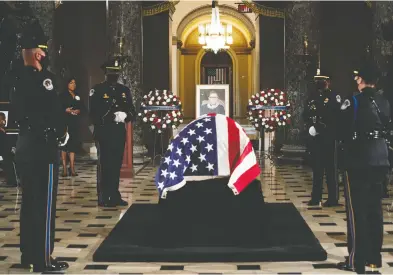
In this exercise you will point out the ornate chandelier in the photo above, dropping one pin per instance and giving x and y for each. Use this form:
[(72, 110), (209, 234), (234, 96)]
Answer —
[(214, 36)]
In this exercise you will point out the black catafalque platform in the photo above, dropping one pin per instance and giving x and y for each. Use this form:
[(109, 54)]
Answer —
[(205, 222)]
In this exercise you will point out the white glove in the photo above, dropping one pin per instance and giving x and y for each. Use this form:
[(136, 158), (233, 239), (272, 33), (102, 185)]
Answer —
[(65, 140), (312, 131), (120, 117), (345, 105)]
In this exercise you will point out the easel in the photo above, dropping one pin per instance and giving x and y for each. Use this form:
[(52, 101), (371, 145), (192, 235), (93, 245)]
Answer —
[(261, 146), (162, 112)]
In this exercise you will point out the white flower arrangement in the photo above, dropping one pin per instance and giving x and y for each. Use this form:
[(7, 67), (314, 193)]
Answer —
[(270, 98), (160, 119)]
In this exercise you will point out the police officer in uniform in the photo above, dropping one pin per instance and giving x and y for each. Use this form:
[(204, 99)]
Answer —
[(320, 118), (111, 107), (37, 111), (366, 117)]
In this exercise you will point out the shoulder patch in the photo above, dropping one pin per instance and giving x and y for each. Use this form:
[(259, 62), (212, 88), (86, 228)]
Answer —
[(92, 91)]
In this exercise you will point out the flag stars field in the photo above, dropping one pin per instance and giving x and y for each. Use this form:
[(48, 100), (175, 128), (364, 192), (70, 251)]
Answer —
[(209, 147), (176, 163), (200, 139), (199, 150), (202, 157)]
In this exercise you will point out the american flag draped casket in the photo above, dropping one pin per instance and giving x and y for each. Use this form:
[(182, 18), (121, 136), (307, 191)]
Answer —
[(212, 145)]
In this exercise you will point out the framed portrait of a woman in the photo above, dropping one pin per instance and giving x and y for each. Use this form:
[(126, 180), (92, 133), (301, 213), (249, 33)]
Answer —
[(212, 99)]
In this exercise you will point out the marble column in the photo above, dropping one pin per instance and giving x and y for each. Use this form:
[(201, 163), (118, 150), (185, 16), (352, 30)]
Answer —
[(156, 59), (124, 31), (382, 49), (271, 52), (157, 70), (301, 42)]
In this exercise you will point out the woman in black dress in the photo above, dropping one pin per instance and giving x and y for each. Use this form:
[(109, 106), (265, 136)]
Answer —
[(73, 106)]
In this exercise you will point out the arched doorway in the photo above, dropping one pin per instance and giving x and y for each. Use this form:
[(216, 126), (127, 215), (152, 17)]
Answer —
[(241, 58), (218, 69)]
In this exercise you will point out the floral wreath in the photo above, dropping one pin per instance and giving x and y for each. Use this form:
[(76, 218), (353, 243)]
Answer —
[(271, 99), (161, 110)]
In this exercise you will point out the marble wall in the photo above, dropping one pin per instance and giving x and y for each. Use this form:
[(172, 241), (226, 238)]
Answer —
[(382, 49), (301, 20)]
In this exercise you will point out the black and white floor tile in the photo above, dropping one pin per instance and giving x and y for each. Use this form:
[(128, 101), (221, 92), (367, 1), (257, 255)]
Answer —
[(81, 225)]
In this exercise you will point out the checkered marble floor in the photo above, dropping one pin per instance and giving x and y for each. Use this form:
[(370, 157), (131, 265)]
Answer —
[(81, 226)]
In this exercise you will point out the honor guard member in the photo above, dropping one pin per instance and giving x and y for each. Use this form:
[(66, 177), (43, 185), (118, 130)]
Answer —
[(111, 107), (320, 117), (366, 117), (39, 115)]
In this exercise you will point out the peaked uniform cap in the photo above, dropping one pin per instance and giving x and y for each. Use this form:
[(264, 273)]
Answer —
[(33, 36), (321, 75), (113, 64), (368, 72)]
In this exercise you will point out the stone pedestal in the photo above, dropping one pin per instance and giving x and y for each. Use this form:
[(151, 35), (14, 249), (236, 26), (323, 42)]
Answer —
[(127, 170), (124, 31), (301, 39)]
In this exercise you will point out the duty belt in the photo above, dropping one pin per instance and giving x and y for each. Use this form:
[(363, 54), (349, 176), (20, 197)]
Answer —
[(369, 135), (49, 134)]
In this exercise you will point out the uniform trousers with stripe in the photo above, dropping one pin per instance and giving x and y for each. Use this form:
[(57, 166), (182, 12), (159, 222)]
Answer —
[(324, 163), (110, 142), (363, 195), (39, 182)]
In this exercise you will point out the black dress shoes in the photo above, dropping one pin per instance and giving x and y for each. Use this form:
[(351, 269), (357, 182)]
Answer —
[(331, 204), (55, 266), (313, 203), (112, 203), (120, 202), (379, 265), (346, 267), (105, 204)]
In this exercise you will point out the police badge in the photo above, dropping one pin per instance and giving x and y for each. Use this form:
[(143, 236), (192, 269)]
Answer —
[(48, 84)]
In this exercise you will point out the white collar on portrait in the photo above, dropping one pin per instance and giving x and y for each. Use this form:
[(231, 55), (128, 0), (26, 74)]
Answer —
[(212, 106)]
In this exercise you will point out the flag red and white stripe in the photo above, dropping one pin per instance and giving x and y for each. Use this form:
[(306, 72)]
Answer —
[(236, 156)]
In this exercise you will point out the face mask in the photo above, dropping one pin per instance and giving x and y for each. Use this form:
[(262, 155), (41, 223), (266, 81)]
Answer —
[(112, 78), (45, 62)]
